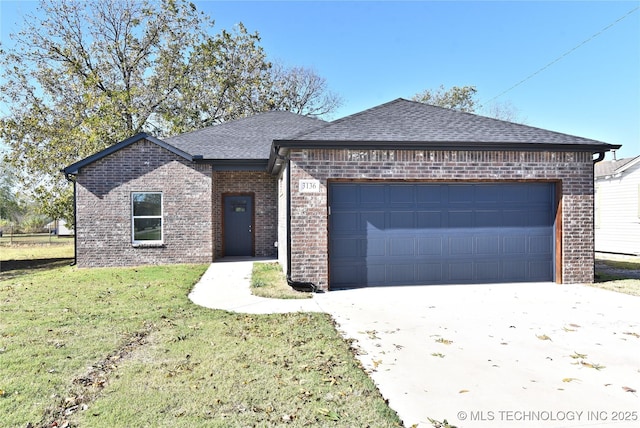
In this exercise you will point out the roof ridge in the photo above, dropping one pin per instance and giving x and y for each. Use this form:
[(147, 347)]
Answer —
[(241, 119)]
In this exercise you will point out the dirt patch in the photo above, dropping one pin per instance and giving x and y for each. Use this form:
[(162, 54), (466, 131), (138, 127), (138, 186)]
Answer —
[(87, 387)]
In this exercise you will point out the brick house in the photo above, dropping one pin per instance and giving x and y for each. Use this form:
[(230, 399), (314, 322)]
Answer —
[(402, 193)]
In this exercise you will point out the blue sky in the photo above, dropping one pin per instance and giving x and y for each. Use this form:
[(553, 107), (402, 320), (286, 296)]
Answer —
[(372, 52)]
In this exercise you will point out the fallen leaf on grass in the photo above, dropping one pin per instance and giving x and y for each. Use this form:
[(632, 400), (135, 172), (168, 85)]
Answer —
[(332, 415), (543, 337), (332, 380)]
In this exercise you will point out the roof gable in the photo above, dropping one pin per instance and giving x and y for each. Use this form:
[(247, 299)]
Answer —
[(75, 168), (412, 122)]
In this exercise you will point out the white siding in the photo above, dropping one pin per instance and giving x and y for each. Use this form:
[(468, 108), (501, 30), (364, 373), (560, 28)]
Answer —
[(617, 228)]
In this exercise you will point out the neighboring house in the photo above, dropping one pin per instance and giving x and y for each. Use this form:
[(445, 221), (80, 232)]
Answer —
[(59, 228), (402, 193), (617, 206)]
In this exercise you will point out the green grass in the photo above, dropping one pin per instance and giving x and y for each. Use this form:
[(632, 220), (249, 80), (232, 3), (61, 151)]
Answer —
[(618, 281), (37, 252), (268, 280), (125, 347)]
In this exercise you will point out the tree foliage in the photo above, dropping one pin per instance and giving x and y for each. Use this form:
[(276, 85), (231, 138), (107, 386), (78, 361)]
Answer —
[(85, 74), (461, 98), (301, 91), (11, 207)]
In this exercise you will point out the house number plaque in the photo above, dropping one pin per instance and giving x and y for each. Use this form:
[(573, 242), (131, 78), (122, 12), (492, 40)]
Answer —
[(309, 186)]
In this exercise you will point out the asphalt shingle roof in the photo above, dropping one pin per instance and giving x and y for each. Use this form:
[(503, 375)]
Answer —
[(247, 138), (410, 121), (607, 168)]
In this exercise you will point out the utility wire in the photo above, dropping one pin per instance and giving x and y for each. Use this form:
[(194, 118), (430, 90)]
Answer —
[(564, 54)]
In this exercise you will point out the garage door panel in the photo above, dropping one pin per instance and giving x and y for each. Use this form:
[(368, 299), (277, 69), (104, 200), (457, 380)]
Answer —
[(538, 194), (514, 270), (347, 247), (538, 217), (429, 219), (430, 273), (431, 245), (461, 271), (402, 219), (540, 245), (371, 220), (347, 196), (403, 195), (376, 274), (374, 247), (460, 245), (515, 244), (430, 195), (488, 245), (513, 193), (346, 221), (460, 218), (487, 271), (440, 233), (539, 270), (401, 274), (487, 194), (402, 246), (514, 218), (488, 218), (371, 194), (350, 275), (461, 193)]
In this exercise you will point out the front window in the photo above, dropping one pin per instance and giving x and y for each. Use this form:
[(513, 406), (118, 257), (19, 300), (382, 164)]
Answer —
[(147, 217)]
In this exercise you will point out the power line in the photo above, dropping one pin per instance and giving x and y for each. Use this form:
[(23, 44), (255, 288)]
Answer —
[(564, 54)]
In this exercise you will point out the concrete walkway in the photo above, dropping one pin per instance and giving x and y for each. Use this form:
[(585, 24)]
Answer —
[(226, 285), (491, 355)]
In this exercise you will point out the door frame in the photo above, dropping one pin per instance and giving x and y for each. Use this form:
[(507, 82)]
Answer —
[(253, 219)]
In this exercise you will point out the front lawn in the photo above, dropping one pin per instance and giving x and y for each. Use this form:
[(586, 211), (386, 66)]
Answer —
[(125, 347), (618, 273)]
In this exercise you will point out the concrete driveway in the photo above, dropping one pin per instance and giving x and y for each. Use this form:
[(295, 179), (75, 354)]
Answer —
[(506, 355), (493, 355)]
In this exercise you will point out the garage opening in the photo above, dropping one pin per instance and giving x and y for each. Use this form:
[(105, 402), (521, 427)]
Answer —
[(383, 234)]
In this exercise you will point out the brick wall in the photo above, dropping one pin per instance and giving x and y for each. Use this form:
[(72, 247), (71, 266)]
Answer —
[(103, 195), (309, 257), (263, 186)]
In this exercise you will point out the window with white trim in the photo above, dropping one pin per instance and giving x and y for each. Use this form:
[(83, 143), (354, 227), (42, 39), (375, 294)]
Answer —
[(146, 217)]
